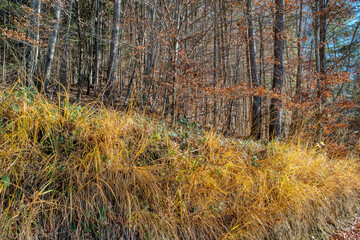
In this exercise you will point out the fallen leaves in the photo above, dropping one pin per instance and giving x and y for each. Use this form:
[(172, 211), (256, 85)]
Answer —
[(352, 232)]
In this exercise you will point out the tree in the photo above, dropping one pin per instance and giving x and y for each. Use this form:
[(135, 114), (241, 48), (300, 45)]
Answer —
[(63, 64), (256, 104), (51, 47), (150, 49), (208, 61), (96, 70), (32, 50), (299, 20), (320, 55), (278, 75), (80, 50), (113, 58)]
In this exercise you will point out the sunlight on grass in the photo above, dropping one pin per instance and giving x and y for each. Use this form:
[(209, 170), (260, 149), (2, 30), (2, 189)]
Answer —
[(72, 171)]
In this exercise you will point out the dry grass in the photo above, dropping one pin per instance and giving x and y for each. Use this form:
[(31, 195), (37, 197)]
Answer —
[(75, 172)]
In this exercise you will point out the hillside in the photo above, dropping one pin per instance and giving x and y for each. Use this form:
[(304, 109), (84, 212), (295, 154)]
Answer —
[(76, 172)]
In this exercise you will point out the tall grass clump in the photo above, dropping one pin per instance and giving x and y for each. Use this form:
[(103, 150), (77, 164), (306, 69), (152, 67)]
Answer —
[(72, 172)]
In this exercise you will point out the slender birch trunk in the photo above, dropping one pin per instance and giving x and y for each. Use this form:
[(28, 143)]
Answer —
[(51, 47)]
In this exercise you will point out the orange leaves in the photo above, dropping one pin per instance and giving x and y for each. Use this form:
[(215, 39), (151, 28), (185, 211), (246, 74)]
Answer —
[(350, 233), (345, 104), (16, 35), (10, 33), (27, 9)]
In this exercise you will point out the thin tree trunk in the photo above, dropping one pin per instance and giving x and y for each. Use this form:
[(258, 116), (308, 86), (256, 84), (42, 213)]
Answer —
[(63, 64), (278, 75), (262, 80), (33, 48), (322, 59), (322, 32), (128, 92), (349, 60), (92, 52), (299, 51), (98, 47), (262, 50), (80, 46), (320, 56), (295, 120), (4, 56), (149, 58), (215, 77), (113, 59), (317, 59), (228, 124), (3, 65), (256, 103), (51, 46), (175, 59)]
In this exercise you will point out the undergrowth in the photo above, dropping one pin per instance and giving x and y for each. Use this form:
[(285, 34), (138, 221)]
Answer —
[(78, 172)]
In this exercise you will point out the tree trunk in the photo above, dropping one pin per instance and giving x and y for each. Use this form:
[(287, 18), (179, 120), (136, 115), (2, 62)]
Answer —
[(256, 103), (113, 50), (320, 55), (299, 50), (149, 58), (92, 50), (296, 121), (4, 56), (262, 51), (175, 59), (322, 32), (51, 47), (128, 92), (4, 65), (98, 46), (63, 64), (278, 75), (215, 77), (32, 51), (80, 47)]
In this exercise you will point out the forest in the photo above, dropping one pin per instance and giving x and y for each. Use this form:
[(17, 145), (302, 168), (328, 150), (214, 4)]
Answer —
[(179, 119)]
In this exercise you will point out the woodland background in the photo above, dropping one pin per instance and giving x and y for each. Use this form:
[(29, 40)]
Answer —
[(245, 68)]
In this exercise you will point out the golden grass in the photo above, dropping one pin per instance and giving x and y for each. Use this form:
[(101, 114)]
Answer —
[(76, 172)]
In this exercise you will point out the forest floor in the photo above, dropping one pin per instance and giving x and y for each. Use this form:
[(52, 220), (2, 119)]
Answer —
[(74, 171), (350, 231)]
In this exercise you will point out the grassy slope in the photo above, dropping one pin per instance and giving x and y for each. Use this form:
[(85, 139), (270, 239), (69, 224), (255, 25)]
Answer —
[(75, 172)]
